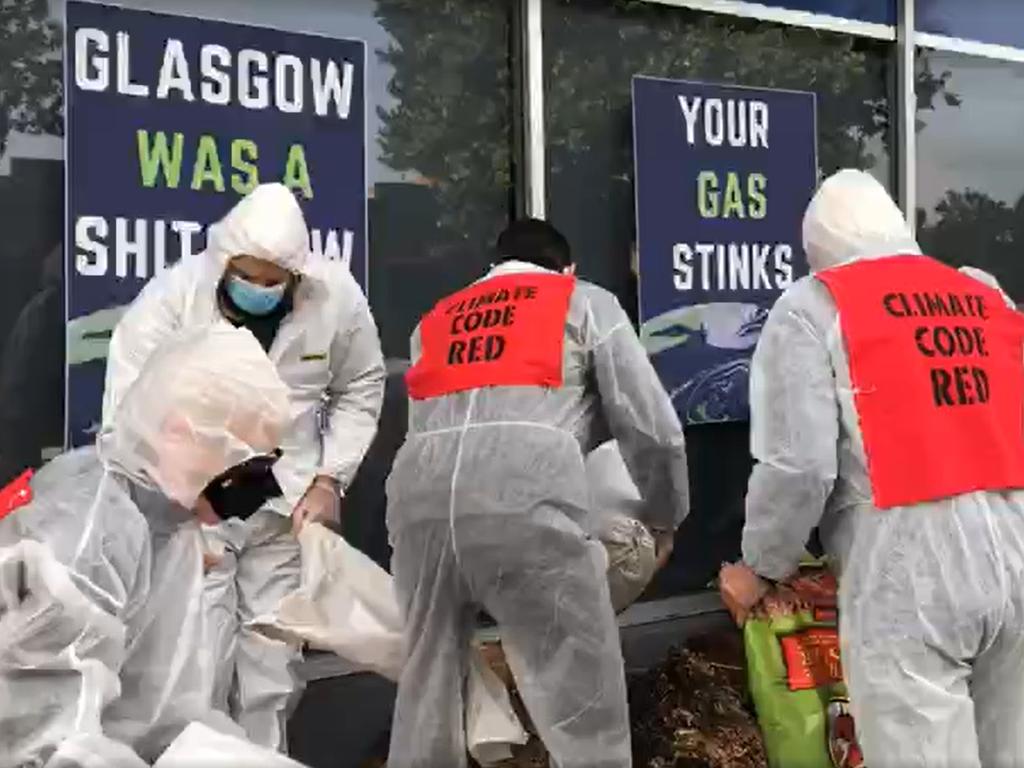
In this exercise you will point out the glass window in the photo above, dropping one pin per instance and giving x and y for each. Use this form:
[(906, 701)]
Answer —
[(878, 11), (989, 21), (439, 159), (31, 218), (592, 50), (970, 164)]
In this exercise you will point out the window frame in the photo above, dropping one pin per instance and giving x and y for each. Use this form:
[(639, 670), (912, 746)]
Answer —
[(904, 39), (903, 36)]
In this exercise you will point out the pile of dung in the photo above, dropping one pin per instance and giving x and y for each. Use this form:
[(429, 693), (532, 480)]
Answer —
[(692, 711)]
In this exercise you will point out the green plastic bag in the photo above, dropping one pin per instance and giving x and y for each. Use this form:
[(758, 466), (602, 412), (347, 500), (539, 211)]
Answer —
[(795, 678), (794, 723)]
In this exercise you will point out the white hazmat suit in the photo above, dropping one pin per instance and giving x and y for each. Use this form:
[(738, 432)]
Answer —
[(488, 505), (328, 353), (101, 632), (931, 594)]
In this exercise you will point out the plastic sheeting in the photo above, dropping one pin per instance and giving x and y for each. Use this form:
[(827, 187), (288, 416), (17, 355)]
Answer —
[(346, 605), (199, 746), (92, 751), (167, 675), (87, 520), (102, 636), (60, 653), (205, 401)]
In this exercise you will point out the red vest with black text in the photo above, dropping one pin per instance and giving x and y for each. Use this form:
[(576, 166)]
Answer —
[(503, 331), (937, 366)]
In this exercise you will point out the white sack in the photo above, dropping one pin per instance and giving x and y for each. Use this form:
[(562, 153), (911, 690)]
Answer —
[(632, 559), (199, 746), (492, 725), (612, 490), (347, 605), (615, 507)]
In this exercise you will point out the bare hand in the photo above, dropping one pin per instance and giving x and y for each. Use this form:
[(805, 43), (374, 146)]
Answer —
[(664, 543), (320, 504), (203, 510), (741, 590)]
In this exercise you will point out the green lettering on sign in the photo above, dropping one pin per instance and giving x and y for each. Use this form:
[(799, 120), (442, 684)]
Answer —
[(244, 154), (155, 157), (207, 168), (296, 172)]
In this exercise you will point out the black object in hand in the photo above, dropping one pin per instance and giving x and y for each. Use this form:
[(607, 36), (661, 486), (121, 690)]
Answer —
[(244, 488)]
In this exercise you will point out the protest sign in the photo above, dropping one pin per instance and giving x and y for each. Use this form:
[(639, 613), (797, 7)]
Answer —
[(170, 120), (723, 175)]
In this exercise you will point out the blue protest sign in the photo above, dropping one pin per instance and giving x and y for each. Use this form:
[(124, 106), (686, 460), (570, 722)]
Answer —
[(723, 175), (169, 121)]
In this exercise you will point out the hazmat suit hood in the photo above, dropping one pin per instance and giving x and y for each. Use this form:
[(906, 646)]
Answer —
[(206, 401), (852, 217), (268, 224)]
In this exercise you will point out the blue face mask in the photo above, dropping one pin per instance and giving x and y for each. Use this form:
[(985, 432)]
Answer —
[(254, 299)]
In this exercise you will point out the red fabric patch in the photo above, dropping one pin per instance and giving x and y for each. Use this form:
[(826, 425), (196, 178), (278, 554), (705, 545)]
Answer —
[(937, 362), (812, 658), (17, 494), (501, 332)]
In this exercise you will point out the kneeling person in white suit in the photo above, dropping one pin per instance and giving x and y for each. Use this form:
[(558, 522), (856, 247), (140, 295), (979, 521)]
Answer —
[(101, 572), (314, 322)]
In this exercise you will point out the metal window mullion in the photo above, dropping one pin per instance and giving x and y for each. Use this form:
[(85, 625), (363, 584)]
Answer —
[(532, 46), (906, 114)]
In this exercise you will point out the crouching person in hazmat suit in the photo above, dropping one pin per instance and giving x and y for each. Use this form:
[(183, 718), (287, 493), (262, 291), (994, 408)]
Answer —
[(513, 380), (886, 399), (101, 632), (310, 316)]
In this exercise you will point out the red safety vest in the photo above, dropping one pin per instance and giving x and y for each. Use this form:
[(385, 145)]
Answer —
[(937, 365), (503, 331), (16, 494)]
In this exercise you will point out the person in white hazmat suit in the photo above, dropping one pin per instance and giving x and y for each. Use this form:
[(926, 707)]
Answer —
[(313, 320), (513, 380), (886, 393), (101, 573)]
